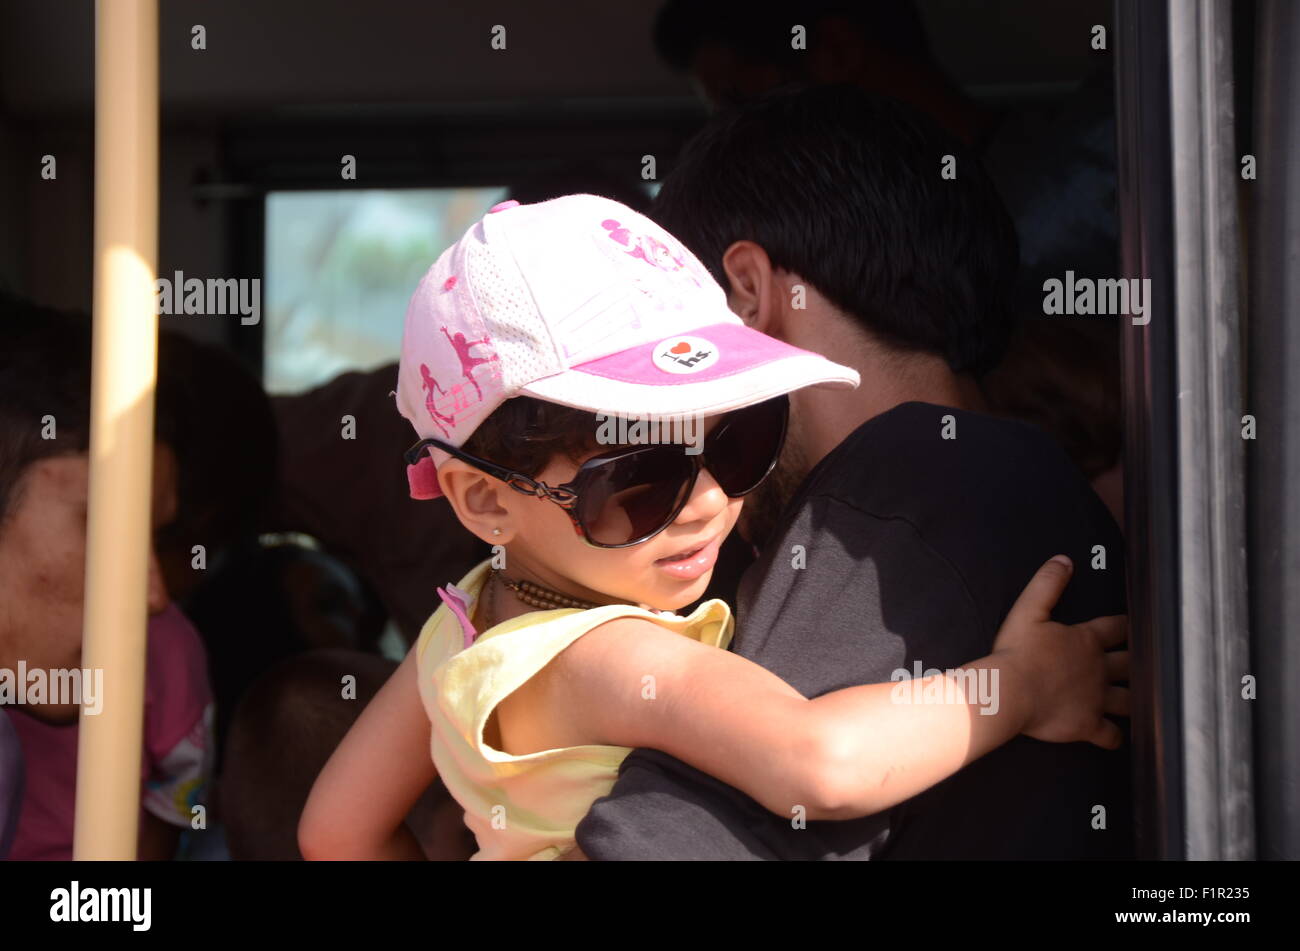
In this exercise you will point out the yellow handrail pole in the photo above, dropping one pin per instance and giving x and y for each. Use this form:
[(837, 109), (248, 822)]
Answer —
[(122, 420)]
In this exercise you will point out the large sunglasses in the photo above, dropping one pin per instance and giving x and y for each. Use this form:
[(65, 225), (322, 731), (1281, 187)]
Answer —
[(627, 496)]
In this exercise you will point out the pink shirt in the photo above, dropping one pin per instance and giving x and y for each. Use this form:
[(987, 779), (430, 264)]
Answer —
[(177, 744)]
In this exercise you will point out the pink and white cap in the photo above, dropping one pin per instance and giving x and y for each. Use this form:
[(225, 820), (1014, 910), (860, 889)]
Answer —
[(583, 302)]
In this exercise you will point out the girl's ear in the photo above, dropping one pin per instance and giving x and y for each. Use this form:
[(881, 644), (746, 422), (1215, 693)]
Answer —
[(481, 503), (749, 274)]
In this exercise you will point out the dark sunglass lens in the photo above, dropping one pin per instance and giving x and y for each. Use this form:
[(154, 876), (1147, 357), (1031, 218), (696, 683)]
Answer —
[(632, 496), (744, 447)]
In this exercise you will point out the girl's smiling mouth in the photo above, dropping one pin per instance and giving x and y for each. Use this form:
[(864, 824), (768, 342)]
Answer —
[(690, 563)]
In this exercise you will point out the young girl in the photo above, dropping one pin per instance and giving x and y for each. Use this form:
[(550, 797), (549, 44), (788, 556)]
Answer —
[(546, 664)]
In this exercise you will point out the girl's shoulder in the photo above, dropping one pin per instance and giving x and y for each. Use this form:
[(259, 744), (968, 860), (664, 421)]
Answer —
[(543, 634), (504, 685), (710, 623), (503, 658)]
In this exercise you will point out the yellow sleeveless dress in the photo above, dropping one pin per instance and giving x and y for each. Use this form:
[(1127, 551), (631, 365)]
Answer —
[(520, 807)]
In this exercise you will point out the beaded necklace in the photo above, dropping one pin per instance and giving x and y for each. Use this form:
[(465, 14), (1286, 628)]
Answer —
[(534, 595)]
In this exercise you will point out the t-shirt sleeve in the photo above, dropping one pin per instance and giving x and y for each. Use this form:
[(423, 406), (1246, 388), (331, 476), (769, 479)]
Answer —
[(178, 720)]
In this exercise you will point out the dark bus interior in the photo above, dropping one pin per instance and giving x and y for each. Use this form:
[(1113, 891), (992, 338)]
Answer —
[(331, 150)]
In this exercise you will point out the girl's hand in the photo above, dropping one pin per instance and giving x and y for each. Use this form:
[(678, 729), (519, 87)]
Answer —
[(1066, 669)]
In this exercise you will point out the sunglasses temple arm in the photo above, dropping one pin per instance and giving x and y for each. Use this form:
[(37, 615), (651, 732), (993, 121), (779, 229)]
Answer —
[(413, 454), (509, 476)]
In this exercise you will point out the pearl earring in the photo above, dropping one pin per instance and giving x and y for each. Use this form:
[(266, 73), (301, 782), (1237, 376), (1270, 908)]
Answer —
[(496, 531)]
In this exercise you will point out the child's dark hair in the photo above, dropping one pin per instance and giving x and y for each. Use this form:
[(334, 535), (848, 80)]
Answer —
[(846, 190), (44, 376), (226, 448), (525, 434)]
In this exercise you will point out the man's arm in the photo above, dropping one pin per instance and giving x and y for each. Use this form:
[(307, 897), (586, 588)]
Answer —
[(851, 616)]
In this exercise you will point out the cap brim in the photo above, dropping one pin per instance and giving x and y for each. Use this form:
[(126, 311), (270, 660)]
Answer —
[(749, 367)]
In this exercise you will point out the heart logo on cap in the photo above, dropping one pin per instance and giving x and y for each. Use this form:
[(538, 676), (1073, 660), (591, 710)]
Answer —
[(684, 355)]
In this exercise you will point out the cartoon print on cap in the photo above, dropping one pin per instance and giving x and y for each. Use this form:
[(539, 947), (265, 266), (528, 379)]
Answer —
[(649, 249), (430, 384), (467, 361), (458, 395)]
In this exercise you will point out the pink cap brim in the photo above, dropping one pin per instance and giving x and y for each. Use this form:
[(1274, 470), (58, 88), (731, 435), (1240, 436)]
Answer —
[(751, 367)]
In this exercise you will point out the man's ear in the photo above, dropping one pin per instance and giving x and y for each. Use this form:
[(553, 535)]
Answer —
[(749, 272), (478, 501)]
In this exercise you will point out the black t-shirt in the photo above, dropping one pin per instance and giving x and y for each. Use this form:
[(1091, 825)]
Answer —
[(903, 546)]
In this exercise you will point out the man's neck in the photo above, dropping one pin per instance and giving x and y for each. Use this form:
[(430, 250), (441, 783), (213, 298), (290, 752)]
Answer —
[(889, 379)]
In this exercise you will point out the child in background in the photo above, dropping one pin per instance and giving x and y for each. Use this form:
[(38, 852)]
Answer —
[(547, 663), (44, 493), (174, 765)]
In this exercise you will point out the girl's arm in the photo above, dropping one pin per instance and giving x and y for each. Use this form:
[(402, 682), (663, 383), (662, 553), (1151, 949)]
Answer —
[(358, 805), (849, 753)]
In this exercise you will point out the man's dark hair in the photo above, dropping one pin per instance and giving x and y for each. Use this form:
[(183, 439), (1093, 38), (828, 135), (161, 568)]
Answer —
[(44, 372), (759, 30), (845, 190)]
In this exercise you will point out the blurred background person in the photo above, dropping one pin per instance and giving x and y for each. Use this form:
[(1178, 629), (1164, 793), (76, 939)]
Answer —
[(44, 495)]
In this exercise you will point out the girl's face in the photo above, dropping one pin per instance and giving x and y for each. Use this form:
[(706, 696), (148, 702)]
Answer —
[(668, 572)]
